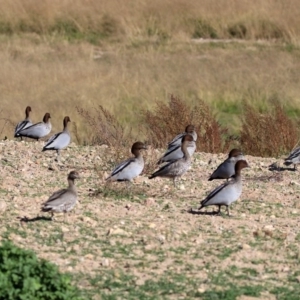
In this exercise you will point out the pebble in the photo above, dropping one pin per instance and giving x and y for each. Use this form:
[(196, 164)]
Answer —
[(182, 187), (161, 238), (2, 206), (105, 262)]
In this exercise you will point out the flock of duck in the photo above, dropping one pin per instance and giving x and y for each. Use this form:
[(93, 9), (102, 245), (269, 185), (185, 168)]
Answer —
[(176, 161)]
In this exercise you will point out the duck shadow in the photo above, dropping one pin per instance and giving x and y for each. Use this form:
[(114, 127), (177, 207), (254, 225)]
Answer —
[(198, 212), (275, 167), (37, 218)]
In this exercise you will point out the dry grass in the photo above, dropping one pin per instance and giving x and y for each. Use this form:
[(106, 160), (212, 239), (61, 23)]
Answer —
[(105, 127), (155, 19), (145, 54), (268, 134)]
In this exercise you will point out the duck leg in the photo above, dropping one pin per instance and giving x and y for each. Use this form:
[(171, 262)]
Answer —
[(58, 156), (174, 181), (65, 217), (228, 214), (128, 184)]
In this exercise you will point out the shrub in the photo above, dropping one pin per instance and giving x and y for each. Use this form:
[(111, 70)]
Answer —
[(68, 28), (106, 128), (256, 29), (108, 131), (267, 134), (167, 120), (204, 30), (24, 276)]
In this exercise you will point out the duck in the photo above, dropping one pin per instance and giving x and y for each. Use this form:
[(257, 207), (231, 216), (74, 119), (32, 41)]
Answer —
[(189, 129), (228, 192), (64, 200), (174, 147), (59, 140), (38, 130), (130, 168), (177, 167), (226, 169), (293, 158), (25, 123)]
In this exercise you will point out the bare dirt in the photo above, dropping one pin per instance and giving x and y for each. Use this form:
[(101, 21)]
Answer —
[(145, 232)]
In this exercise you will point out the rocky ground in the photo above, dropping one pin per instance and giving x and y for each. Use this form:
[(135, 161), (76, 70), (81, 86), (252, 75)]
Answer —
[(140, 242)]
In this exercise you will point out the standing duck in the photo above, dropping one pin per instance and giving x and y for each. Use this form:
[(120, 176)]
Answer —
[(63, 200), (25, 123), (174, 147), (59, 140), (226, 169), (190, 129), (228, 192), (293, 158), (178, 167), (38, 130), (130, 168)]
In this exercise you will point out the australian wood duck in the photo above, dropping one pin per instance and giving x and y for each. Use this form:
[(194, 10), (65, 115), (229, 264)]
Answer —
[(226, 169), (293, 158), (130, 168), (178, 167), (174, 147), (38, 130), (25, 123), (63, 200), (59, 140), (228, 192), (190, 129)]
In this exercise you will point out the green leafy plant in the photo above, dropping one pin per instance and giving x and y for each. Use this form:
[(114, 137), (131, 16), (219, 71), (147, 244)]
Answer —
[(24, 276)]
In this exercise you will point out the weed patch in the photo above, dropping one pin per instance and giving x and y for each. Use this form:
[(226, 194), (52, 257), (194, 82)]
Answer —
[(167, 120), (268, 134)]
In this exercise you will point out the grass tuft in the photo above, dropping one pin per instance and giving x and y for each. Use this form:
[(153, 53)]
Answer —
[(105, 127), (204, 30)]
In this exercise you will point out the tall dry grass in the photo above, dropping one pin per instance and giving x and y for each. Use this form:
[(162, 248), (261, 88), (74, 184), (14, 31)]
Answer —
[(162, 19), (127, 55), (55, 77)]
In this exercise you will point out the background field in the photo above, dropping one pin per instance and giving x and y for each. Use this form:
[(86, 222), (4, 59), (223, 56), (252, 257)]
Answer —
[(56, 55)]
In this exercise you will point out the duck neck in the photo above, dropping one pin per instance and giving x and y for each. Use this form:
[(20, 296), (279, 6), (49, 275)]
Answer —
[(71, 183), (193, 134), (137, 154), (185, 151), (238, 176), (65, 125), (27, 114)]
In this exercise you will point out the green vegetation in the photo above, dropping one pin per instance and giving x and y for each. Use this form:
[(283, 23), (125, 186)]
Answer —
[(24, 276)]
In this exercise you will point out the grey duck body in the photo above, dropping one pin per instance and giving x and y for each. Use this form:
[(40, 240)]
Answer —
[(178, 167), (25, 123), (62, 201), (130, 168), (38, 130), (226, 169)]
